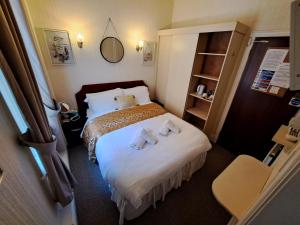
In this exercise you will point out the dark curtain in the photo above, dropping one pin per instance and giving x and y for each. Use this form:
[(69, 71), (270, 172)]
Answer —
[(16, 67)]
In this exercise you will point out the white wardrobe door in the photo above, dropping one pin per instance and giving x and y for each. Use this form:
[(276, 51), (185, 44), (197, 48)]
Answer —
[(165, 44), (180, 67)]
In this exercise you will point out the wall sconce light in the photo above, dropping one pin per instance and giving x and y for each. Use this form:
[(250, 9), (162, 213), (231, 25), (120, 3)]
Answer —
[(139, 45), (80, 40)]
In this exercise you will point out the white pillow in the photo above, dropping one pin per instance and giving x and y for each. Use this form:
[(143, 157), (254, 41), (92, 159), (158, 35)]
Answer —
[(88, 113), (141, 94), (103, 102)]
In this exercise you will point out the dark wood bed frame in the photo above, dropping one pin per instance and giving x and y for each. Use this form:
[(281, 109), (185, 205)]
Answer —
[(93, 88)]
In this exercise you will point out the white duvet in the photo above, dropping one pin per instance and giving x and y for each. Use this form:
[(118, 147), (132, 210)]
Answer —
[(133, 173)]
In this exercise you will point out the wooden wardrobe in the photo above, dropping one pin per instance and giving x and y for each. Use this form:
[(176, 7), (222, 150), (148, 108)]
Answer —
[(187, 57)]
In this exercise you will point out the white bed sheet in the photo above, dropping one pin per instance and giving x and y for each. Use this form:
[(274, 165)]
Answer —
[(134, 173), (159, 192)]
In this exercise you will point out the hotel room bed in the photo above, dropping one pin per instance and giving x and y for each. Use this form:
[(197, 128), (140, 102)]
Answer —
[(139, 178)]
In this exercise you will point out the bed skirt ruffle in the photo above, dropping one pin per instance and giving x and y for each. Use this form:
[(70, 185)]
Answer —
[(128, 212)]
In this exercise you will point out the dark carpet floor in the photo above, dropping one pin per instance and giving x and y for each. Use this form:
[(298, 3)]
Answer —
[(192, 204)]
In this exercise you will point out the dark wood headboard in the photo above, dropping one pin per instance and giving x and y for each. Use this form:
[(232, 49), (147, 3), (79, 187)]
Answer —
[(93, 88)]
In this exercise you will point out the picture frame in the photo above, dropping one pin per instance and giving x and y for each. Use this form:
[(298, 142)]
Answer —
[(59, 46), (148, 54)]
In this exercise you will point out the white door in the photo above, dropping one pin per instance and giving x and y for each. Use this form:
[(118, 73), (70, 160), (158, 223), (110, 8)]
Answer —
[(180, 67), (165, 44)]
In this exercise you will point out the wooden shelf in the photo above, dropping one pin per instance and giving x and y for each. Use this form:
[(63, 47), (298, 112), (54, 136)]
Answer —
[(212, 54), (200, 97), (210, 65), (206, 76), (198, 112)]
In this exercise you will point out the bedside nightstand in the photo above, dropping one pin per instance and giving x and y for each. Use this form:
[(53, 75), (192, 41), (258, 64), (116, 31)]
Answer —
[(72, 131)]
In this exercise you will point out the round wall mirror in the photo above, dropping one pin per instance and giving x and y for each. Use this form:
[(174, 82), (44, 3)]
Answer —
[(112, 49)]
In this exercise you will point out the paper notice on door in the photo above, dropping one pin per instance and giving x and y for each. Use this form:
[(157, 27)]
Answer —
[(270, 64), (281, 78), (273, 58), (274, 90)]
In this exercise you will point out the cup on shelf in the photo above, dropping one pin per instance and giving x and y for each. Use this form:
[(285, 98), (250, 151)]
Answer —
[(200, 89)]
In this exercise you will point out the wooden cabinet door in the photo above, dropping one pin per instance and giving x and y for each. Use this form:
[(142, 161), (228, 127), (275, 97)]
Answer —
[(254, 117), (180, 67)]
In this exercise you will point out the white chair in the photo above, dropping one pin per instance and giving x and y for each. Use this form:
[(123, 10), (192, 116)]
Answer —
[(240, 184)]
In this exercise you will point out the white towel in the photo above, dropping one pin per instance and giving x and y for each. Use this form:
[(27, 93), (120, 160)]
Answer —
[(173, 127), (142, 137), (168, 126), (138, 141), (149, 137), (164, 129)]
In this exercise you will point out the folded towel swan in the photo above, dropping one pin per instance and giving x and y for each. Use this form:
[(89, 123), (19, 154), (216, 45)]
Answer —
[(149, 137), (169, 126), (141, 138), (144, 136)]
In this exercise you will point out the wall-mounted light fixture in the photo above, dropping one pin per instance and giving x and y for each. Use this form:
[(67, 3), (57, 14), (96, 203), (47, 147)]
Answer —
[(139, 45), (80, 40)]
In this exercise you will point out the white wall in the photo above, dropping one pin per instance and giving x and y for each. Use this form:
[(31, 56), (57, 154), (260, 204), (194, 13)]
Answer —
[(134, 20), (258, 14)]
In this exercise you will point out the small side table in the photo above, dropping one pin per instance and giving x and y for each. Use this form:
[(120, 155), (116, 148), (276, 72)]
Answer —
[(72, 131), (282, 147)]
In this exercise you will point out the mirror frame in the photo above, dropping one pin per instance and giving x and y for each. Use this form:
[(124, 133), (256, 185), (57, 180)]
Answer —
[(104, 56)]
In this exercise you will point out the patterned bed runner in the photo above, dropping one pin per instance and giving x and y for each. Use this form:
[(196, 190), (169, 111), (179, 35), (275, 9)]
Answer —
[(115, 120)]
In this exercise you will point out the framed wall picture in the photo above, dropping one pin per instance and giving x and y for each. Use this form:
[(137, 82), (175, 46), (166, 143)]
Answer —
[(59, 46), (148, 53)]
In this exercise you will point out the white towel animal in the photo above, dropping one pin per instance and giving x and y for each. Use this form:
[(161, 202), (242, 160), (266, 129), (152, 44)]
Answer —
[(141, 138), (168, 126), (149, 137)]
